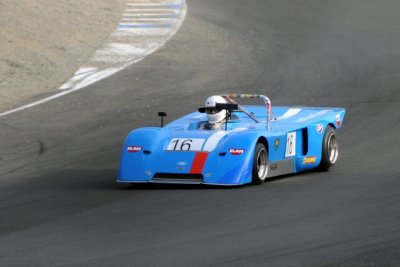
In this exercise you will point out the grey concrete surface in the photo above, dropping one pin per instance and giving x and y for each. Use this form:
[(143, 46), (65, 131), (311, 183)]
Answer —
[(43, 42), (60, 205)]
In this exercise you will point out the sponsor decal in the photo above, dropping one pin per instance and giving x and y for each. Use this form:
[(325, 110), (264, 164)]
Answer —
[(236, 151), (310, 160), (181, 165), (133, 149), (319, 128), (276, 143), (338, 120)]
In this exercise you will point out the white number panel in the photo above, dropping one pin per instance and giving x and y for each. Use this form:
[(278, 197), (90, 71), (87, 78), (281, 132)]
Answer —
[(186, 144), (290, 144)]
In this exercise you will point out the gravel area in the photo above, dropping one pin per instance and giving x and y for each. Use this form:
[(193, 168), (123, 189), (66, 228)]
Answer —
[(43, 42)]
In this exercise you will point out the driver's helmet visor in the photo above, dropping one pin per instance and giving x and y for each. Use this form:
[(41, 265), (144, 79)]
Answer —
[(212, 110)]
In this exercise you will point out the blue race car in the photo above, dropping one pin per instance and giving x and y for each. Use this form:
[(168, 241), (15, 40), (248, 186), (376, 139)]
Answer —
[(225, 143)]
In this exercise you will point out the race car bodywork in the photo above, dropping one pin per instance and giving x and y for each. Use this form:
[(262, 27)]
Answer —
[(256, 143)]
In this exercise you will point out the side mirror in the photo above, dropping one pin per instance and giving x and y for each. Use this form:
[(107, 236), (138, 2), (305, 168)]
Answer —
[(162, 115)]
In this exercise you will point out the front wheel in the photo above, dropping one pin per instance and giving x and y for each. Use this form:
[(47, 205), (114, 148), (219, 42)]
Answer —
[(260, 164), (330, 149)]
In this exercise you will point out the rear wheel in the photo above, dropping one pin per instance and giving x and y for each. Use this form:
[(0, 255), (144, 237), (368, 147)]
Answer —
[(330, 149), (260, 165)]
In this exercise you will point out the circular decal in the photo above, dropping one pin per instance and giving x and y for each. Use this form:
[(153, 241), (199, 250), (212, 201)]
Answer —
[(320, 128)]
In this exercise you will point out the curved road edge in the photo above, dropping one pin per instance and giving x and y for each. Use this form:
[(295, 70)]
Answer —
[(144, 28)]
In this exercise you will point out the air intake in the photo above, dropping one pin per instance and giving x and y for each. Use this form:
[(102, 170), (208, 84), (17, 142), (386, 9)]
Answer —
[(178, 178)]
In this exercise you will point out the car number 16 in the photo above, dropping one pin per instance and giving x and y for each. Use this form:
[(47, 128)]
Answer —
[(186, 144), (290, 144)]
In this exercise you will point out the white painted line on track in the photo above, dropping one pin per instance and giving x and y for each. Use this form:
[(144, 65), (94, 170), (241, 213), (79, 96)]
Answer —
[(152, 10), (141, 32), (62, 93), (141, 23), (122, 48), (154, 4), (145, 19), (160, 15)]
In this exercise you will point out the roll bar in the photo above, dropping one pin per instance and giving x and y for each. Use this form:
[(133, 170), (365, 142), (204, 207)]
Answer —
[(231, 96)]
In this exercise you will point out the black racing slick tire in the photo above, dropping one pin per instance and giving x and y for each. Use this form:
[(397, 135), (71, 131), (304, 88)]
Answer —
[(330, 149), (260, 164)]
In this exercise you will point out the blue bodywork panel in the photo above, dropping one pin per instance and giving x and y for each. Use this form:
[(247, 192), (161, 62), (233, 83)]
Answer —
[(182, 153)]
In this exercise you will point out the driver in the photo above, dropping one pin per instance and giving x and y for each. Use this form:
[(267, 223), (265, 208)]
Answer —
[(215, 117)]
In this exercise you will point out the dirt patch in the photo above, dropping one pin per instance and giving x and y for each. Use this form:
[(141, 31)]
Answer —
[(43, 42)]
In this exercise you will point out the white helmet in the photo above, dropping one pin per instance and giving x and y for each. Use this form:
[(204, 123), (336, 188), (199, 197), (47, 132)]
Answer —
[(215, 115)]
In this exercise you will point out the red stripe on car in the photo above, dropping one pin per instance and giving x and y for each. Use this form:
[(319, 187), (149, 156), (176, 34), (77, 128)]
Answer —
[(198, 162)]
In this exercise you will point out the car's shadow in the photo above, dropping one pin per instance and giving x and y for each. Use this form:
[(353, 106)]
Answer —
[(100, 180)]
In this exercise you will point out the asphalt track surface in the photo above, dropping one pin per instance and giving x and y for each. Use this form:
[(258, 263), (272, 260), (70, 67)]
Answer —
[(60, 205)]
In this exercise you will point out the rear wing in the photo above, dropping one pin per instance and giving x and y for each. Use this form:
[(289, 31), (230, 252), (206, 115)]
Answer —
[(309, 115)]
